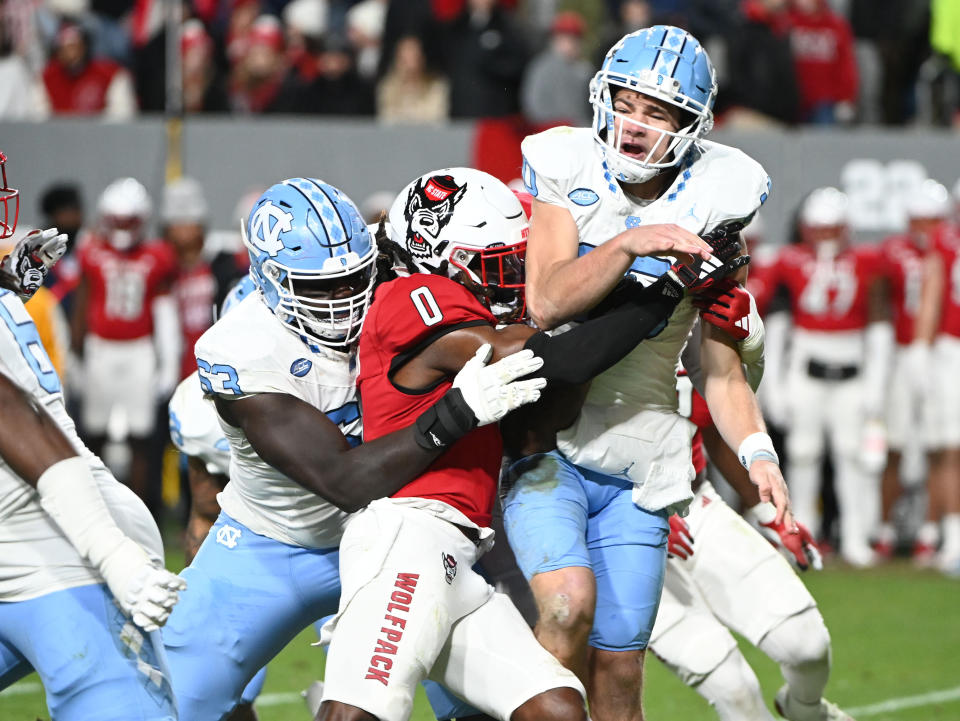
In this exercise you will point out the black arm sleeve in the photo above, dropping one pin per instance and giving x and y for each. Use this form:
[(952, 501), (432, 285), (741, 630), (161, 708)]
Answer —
[(630, 314)]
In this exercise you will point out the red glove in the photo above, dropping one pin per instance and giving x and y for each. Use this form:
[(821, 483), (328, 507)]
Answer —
[(800, 546), (727, 306), (679, 542)]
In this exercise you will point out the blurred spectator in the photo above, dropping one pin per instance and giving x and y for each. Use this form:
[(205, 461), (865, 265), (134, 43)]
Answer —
[(485, 55), (629, 16), (938, 92), (62, 207), (409, 92), (306, 21), (365, 22), (336, 89), (555, 83), (78, 83), (124, 328), (411, 17), (183, 218), (823, 52), (21, 96), (110, 32), (761, 75), (203, 89), (259, 67)]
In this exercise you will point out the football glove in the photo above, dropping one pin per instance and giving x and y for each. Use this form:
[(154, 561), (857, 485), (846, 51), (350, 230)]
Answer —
[(679, 542), (481, 394), (800, 548), (725, 244), (32, 258), (726, 306), (144, 590)]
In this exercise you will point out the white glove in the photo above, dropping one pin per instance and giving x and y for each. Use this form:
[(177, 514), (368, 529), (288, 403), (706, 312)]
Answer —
[(491, 391), (32, 258), (145, 591)]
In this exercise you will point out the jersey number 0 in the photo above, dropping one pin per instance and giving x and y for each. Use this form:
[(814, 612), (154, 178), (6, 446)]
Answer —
[(426, 306)]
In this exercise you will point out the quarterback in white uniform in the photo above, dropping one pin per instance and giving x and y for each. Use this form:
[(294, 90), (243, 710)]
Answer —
[(281, 370), (601, 196), (83, 590)]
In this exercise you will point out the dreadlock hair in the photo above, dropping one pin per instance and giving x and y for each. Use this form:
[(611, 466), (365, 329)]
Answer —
[(390, 256)]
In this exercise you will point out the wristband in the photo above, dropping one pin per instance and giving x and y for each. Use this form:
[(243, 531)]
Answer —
[(445, 422), (757, 447), (763, 513)]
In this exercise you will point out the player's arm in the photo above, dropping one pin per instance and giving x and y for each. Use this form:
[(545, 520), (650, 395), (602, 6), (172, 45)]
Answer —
[(204, 508), (302, 443), (562, 285), (36, 449), (78, 316), (737, 416)]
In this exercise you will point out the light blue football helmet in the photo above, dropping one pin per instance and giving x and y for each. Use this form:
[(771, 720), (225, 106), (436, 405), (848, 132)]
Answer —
[(664, 62), (302, 234)]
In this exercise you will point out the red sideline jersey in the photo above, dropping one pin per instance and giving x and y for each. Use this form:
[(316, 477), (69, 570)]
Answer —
[(123, 286), (827, 295), (947, 245), (903, 265), (406, 316)]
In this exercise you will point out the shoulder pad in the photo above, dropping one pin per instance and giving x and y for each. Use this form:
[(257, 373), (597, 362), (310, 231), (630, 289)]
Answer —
[(560, 152)]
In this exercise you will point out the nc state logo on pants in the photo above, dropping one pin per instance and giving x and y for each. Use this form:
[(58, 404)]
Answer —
[(449, 566)]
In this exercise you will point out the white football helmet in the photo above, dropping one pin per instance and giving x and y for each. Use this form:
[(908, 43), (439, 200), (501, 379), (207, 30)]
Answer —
[(124, 208), (930, 199), (468, 226), (824, 219)]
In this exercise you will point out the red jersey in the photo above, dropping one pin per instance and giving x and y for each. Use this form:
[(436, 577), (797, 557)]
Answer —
[(947, 245), (823, 54), (195, 290), (408, 314), (84, 92), (903, 265), (123, 285), (829, 294)]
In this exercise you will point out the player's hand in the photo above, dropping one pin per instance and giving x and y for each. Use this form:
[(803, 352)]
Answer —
[(144, 590), (32, 258), (768, 479), (665, 239), (679, 542), (802, 548), (704, 274), (726, 306), (724, 240), (492, 391)]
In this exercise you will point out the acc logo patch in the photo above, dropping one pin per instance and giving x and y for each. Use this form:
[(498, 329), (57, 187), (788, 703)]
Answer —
[(449, 566), (228, 536), (583, 196), (266, 225), (300, 367)]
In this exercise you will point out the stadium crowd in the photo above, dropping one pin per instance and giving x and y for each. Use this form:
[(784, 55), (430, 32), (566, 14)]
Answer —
[(426, 61)]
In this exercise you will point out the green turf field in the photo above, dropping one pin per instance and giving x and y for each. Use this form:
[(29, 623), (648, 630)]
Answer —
[(896, 644)]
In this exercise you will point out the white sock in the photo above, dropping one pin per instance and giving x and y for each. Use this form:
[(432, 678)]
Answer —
[(951, 535), (929, 533)]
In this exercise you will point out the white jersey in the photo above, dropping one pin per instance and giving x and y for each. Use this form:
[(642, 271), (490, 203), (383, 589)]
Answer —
[(195, 427), (35, 557), (629, 426), (250, 351)]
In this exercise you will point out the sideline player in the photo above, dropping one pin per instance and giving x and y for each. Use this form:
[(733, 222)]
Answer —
[(281, 369), (81, 555), (412, 554), (642, 172), (722, 574)]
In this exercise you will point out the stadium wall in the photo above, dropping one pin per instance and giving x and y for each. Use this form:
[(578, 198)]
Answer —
[(231, 156)]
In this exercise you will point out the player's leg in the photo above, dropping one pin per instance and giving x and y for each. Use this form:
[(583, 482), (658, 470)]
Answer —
[(545, 516), (13, 665), (134, 391), (407, 577), (805, 445), (493, 660), (628, 550), (97, 393), (948, 359), (93, 662), (247, 597), (692, 643)]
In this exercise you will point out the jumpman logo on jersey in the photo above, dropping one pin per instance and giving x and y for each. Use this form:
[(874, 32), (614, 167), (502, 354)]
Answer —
[(626, 470), (268, 222), (228, 536), (691, 214)]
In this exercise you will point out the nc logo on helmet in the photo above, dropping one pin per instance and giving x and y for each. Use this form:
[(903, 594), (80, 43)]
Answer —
[(268, 222)]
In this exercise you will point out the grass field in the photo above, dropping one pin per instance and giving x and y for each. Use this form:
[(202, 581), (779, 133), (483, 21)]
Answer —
[(896, 646)]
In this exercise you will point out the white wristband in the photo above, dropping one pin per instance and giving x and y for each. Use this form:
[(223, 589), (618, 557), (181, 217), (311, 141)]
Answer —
[(764, 513), (757, 447)]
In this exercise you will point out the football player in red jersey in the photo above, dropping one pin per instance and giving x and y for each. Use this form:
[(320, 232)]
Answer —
[(940, 318), (834, 386), (124, 326), (408, 558), (908, 260)]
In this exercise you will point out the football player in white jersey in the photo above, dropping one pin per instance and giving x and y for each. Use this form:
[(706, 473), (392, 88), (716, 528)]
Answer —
[(601, 195), (281, 370), (83, 590)]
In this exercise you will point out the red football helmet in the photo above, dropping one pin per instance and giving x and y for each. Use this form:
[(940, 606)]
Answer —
[(9, 202)]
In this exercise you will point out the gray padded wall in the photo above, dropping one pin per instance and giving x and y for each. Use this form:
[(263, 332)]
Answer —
[(231, 156)]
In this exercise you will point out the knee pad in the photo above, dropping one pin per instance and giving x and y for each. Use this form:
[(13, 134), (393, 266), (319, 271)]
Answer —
[(803, 446), (799, 640)]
